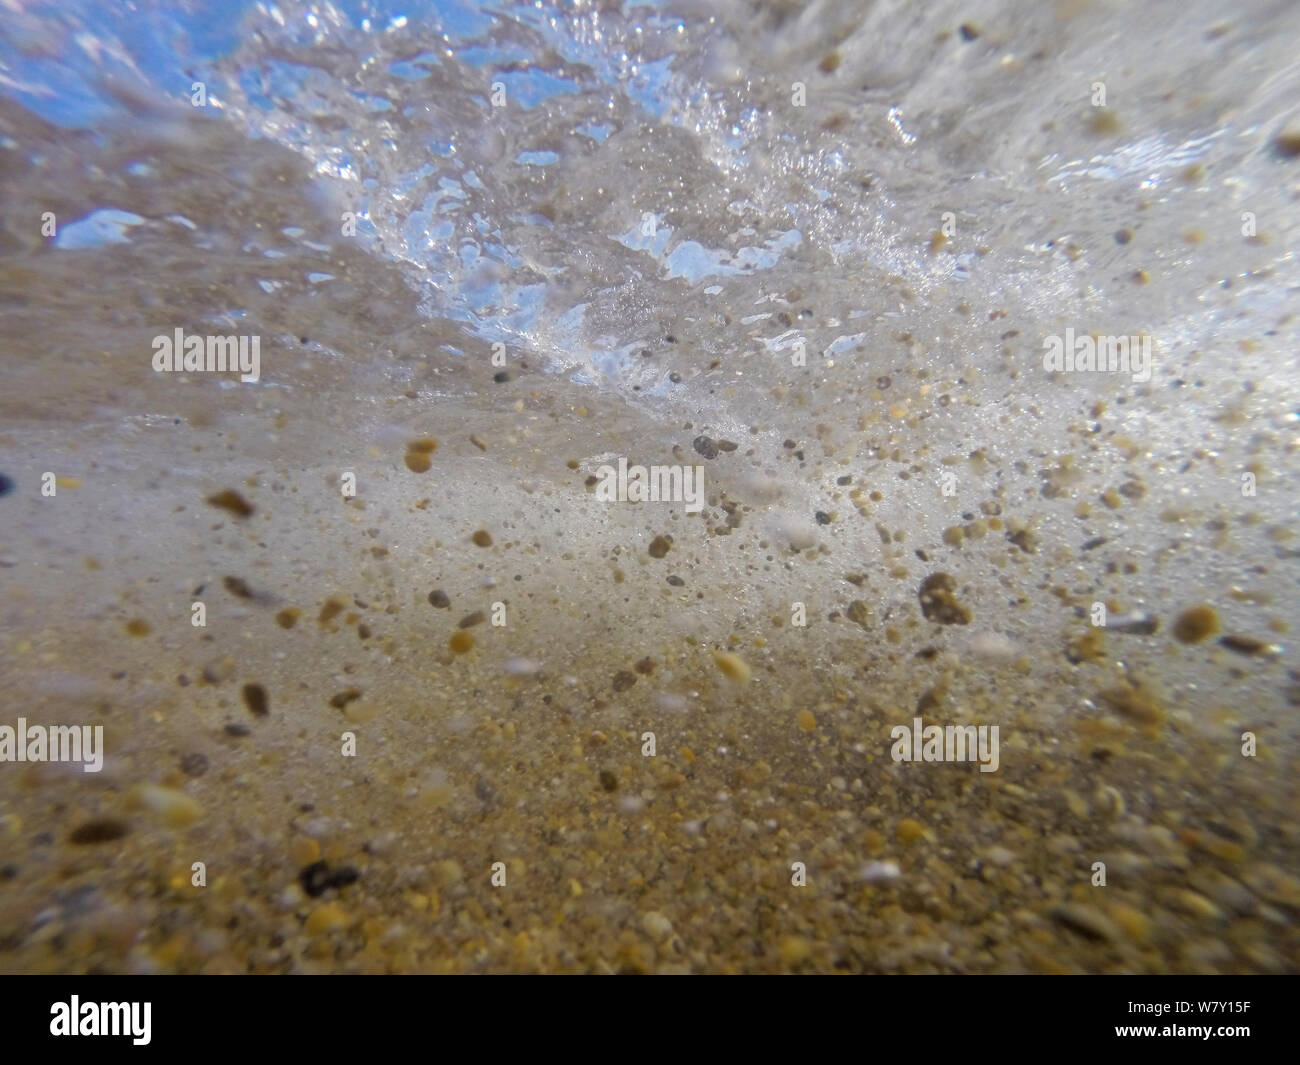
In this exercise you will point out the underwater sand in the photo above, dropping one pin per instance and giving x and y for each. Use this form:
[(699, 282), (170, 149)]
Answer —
[(771, 830)]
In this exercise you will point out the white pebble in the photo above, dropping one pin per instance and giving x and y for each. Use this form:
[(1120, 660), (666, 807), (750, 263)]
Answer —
[(873, 872)]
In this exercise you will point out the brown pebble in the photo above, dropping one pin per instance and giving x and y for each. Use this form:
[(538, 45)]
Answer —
[(1135, 703), (1104, 123), (1086, 921), (347, 695), (461, 641), (232, 501), (238, 587), (482, 538), (417, 461), (288, 617), (659, 546), (1246, 645), (99, 830), (1287, 142), (859, 612), (219, 670), (438, 598), (329, 610), (938, 603), (470, 620), (608, 780), (256, 701), (137, 627), (623, 680), (1195, 624)]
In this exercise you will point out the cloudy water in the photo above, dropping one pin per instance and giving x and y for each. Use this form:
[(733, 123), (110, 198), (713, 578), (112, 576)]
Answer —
[(676, 487)]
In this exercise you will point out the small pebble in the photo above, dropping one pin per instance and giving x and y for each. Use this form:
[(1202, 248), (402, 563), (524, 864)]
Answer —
[(256, 700), (231, 501), (874, 872), (1195, 624), (318, 877), (1248, 645), (174, 808), (522, 667), (657, 926), (1086, 921), (328, 917), (794, 950), (909, 830), (194, 764), (705, 446), (733, 667), (99, 830)]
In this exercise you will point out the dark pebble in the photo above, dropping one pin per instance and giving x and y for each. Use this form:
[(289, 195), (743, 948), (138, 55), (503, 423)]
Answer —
[(439, 599), (256, 701), (608, 781), (194, 764), (318, 878), (234, 729), (238, 586), (1244, 645), (705, 446), (6, 485), (99, 830), (231, 501)]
